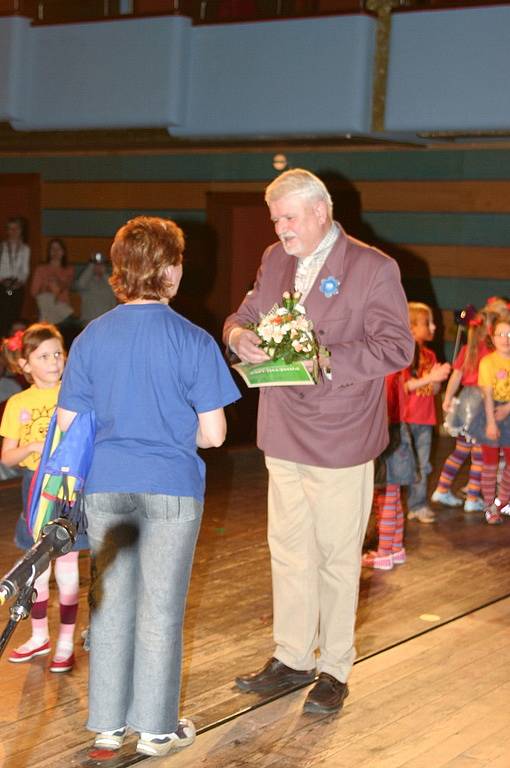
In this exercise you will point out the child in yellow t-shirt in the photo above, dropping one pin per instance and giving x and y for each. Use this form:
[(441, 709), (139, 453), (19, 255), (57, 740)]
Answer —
[(494, 379), (38, 353)]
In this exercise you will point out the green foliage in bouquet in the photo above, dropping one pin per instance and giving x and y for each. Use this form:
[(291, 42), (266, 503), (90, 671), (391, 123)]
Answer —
[(285, 331)]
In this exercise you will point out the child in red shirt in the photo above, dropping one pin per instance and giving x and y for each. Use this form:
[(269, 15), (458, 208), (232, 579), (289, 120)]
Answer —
[(421, 382)]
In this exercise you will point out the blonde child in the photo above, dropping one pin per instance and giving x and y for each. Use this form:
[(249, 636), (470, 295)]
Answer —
[(38, 353), (421, 382), (465, 373), (494, 379)]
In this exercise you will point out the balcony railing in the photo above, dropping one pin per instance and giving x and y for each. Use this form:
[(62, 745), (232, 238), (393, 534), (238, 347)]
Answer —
[(207, 11)]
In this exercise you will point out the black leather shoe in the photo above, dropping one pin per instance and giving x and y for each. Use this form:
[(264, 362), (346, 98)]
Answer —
[(274, 676), (327, 695)]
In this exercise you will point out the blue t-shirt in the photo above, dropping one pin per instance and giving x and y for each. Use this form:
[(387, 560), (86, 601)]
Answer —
[(146, 372)]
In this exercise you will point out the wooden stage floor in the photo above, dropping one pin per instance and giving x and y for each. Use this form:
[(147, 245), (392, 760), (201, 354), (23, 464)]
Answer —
[(432, 640)]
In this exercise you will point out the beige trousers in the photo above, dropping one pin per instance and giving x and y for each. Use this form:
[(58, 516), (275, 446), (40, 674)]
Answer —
[(317, 519)]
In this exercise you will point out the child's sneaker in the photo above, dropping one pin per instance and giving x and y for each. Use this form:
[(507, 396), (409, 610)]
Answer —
[(474, 505), (62, 663), (423, 515), (374, 560), (447, 498), (399, 557), (493, 515), (26, 652), (110, 739), (153, 744)]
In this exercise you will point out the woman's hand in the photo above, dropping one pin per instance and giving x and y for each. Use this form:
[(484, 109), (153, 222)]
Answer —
[(492, 431), (212, 428)]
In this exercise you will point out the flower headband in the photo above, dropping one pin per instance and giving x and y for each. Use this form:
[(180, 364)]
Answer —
[(476, 322), (497, 300), (15, 342)]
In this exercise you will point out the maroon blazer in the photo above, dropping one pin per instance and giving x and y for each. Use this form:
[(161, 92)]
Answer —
[(343, 422)]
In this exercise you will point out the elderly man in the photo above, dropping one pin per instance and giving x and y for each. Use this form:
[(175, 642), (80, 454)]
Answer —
[(319, 441)]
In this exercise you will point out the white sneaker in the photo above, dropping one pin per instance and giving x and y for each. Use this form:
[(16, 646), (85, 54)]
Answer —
[(154, 744), (423, 515), (474, 505), (447, 498), (110, 739)]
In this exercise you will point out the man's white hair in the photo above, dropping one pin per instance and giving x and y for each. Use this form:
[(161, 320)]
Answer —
[(299, 182)]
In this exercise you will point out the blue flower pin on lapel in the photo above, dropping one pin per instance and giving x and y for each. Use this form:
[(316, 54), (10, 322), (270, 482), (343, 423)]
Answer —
[(329, 286)]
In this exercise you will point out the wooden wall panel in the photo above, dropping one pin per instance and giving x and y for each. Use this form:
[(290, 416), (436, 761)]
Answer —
[(136, 194), (435, 214), (377, 196), (435, 196), (459, 260), (441, 260)]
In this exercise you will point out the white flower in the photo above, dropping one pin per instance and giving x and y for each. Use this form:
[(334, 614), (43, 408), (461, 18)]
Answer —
[(266, 332), (302, 324), (285, 332)]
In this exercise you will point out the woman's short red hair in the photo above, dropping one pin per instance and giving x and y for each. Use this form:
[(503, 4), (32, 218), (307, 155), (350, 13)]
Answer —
[(141, 253)]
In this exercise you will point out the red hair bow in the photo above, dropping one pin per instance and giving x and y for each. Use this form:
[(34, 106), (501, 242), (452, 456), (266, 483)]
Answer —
[(15, 342)]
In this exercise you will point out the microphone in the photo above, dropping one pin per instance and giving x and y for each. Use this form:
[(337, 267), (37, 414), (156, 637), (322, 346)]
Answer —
[(57, 538)]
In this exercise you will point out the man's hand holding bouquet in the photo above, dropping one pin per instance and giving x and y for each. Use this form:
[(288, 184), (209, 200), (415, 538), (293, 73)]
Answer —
[(287, 344)]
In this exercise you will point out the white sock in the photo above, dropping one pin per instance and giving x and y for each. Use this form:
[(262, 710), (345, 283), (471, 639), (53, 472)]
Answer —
[(33, 642), (63, 650)]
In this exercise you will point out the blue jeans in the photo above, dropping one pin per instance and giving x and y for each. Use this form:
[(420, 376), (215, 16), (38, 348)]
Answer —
[(422, 440), (142, 548)]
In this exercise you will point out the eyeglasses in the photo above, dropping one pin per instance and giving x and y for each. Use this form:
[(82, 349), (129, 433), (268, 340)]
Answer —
[(503, 334), (49, 355)]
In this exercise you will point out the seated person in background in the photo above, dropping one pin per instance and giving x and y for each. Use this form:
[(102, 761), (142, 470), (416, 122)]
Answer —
[(96, 294), (51, 283)]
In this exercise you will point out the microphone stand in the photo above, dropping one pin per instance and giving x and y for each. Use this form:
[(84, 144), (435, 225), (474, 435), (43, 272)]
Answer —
[(61, 535), (18, 611)]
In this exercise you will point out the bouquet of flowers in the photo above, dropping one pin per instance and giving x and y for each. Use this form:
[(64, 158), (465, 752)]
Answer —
[(285, 331), (288, 339)]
